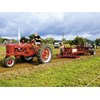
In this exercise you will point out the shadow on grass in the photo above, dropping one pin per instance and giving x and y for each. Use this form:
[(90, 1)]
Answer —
[(33, 62)]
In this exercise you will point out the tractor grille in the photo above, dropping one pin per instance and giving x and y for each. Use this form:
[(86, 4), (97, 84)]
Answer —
[(10, 49)]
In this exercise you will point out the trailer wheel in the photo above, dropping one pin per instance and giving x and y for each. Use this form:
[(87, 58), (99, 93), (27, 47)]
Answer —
[(27, 59), (44, 55), (9, 62), (93, 52)]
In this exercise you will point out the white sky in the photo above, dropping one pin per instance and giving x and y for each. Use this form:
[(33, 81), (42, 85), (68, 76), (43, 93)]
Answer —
[(50, 24)]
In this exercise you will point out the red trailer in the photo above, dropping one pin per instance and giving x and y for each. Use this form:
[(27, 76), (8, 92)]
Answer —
[(76, 52)]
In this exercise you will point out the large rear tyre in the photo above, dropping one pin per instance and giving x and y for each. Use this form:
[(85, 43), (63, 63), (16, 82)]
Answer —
[(27, 59), (9, 62), (44, 55)]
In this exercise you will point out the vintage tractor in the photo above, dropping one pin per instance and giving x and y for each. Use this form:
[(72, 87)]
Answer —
[(76, 52), (26, 52)]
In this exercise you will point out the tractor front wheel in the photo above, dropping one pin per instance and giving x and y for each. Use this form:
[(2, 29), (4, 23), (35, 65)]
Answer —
[(45, 55), (9, 62)]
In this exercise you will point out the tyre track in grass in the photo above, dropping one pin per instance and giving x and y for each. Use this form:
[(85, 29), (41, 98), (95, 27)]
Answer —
[(19, 64), (21, 68)]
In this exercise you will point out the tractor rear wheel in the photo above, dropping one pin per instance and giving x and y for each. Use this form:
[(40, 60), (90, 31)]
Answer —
[(27, 59), (44, 54), (9, 62)]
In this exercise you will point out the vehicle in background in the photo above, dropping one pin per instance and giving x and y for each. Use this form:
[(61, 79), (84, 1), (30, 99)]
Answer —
[(56, 44)]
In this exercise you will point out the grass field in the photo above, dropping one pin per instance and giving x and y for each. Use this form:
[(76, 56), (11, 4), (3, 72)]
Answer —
[(84, 71), (2, 51)]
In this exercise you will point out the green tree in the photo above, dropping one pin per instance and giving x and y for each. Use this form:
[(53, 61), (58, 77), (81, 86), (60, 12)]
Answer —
[(70, 42), (31, 36), (49, 40), (97, 41), (23, 38), (1, 40), (79, 41), (64, 40), (43, 41), (89, 41), (14, 41)]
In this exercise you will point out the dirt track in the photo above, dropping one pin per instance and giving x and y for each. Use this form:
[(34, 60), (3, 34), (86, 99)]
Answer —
[(21, 65), (21, 68)]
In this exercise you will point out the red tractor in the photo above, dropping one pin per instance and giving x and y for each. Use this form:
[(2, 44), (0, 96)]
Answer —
[(26, 52)]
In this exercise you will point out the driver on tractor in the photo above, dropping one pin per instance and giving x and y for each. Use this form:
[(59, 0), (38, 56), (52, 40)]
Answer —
[(37, 39)]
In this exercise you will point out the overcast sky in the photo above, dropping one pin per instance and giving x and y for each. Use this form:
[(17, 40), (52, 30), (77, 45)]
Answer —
[(86, 25)]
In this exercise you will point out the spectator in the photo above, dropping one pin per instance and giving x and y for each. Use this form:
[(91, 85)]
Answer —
[(62, 48)]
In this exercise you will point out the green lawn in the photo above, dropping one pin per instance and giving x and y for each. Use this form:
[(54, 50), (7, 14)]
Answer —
[(77, 73), (2, 48), (2, 52)]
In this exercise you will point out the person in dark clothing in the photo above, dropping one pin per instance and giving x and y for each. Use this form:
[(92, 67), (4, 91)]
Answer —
[(37, 39)]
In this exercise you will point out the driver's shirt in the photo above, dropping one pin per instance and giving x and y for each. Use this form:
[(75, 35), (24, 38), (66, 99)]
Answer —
[(37, 38)]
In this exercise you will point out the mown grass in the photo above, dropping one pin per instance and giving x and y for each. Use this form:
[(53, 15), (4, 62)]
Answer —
[(2, 48), (54, 50), (2, 52), (77, 73)]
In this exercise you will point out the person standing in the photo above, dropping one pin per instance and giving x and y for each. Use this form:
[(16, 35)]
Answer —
[(62, 48)]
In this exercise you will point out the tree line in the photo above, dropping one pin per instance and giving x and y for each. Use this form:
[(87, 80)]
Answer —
[(3, 40), (76, 41)]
